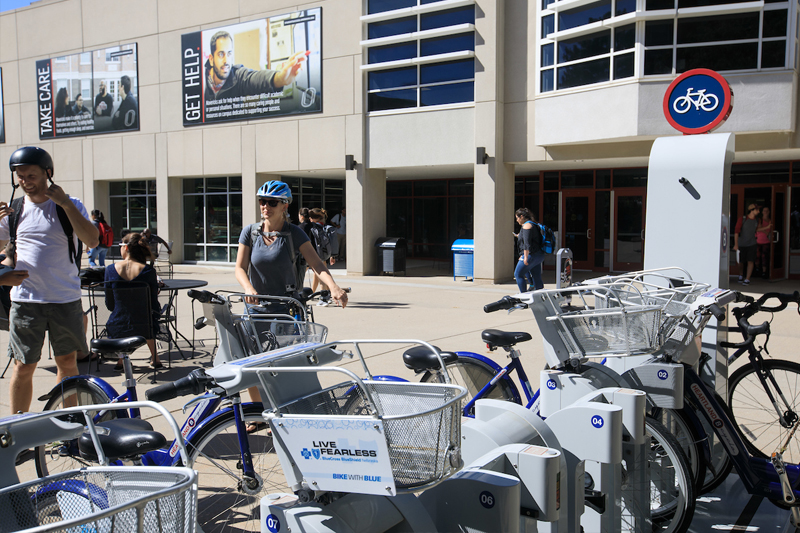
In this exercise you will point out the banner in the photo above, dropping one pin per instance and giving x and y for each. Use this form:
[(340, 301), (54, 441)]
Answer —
[(88, 93), (2, 115), (262, 68)]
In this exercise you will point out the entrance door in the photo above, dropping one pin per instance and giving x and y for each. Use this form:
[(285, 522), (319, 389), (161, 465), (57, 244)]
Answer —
[(773, 197), (578, 224), (793, 239), (629, 229)]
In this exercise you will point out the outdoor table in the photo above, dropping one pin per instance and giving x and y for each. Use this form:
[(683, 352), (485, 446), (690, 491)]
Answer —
[(173, 286)]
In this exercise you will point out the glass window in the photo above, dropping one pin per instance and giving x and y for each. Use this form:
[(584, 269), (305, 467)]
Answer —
[(546, 3), (392, 52), (702, 3), (398, 188), (379, 6), (624, 37), (548, 25), (773, 54), (450, 71), (658, 61), (655, 5), (603, 179), (448, 17), (132, 206), (430, 188), (722, 28), (622, 7), (117, 188), (452, 93), (658, 32), (212, 218), (400, 99), (577, 179), (630, 177), (721, 57), (583, 73), (388, 79), (584, 15), (547, 83), (775, 23), (461, 187), (583, 47), (550, 181), (548, 55), (386, 28), (445, 45), (623, 66)]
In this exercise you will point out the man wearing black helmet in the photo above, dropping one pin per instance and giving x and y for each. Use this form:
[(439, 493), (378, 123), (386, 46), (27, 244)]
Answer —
[(50, 299)]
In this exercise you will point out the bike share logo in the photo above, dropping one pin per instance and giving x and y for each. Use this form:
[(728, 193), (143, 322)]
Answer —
[(330, 451), (698, 101)]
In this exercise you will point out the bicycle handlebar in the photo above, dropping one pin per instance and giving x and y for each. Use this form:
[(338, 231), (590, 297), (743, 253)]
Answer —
[(195, 383), (205, 297), (507, 302), (749, 331)]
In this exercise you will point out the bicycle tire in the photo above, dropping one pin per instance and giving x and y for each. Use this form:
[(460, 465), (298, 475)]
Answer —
[(671, 505), (720, 466), (222, 504), (683, 425), (473, 375), (53, 458), (755, 416)]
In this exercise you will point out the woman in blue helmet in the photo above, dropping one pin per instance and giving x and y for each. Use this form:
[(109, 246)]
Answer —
[(265, 264)]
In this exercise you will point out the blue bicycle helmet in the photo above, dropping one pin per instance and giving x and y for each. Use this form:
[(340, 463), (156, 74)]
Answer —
[(275, 189)]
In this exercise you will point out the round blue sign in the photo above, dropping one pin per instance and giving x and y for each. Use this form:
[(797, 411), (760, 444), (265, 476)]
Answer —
[(597, 421), (551, 384), (662, 374), (487, 499), (273, 524), (698, 101)]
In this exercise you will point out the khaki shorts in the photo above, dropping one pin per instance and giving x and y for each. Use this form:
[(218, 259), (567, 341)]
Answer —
[(28, 322)]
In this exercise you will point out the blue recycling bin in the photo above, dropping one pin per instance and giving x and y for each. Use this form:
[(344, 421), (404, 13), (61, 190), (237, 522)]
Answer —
[(463, 258)]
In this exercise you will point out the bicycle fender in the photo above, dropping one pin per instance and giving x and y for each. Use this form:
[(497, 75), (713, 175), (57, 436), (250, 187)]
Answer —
[(497, 368), (92, 381)]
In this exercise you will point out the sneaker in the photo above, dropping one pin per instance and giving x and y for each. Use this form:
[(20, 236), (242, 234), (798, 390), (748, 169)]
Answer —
[(741, 279), (322, 303), (746, 282)]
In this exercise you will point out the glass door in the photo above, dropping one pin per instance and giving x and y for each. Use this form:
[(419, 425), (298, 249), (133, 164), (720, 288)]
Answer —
[(777, 268), (629, 229), (578, 224), (770, 261), (794, 234)]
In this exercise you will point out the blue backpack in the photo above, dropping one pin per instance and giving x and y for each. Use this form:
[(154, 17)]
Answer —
[(548, 239)]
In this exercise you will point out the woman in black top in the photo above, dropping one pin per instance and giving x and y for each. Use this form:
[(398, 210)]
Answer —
[(530, 252)]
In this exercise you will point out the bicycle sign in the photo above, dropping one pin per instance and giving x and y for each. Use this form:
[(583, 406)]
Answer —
[(698, 101)]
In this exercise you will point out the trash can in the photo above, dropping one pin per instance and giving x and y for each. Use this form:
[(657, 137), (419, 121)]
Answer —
[(391, 255), (463, 258)]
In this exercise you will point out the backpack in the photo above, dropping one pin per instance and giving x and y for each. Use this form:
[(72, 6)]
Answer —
[(322, 236), (298, 260), (548, 239), (66, 225), (106, 235)]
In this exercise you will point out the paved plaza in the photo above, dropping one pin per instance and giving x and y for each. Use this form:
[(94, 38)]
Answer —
[(426, 304)]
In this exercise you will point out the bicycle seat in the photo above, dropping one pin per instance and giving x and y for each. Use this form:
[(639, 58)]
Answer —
[(121, 438), (494, 337), (421, 358), (115, 346)]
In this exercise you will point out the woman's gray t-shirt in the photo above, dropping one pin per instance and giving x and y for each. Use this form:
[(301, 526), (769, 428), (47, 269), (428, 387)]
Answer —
[(271, 270)]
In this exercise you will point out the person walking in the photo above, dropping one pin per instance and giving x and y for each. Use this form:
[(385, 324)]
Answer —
[(340, 223), (45, 234), (97, 255), (744, 240), (531, 256), (763, 240)]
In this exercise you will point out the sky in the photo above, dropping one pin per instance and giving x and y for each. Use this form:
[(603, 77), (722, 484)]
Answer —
[(8, 5)]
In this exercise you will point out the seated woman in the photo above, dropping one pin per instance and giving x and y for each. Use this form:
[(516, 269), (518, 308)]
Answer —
[(125, 319)]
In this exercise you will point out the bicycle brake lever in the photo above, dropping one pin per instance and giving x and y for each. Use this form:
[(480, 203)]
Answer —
[(198, 399)]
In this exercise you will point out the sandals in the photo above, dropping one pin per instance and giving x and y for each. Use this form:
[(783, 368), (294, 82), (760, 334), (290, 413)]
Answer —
[(255, 427), (156, 365)]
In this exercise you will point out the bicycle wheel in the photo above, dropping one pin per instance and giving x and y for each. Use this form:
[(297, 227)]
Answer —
[(755, 415), (473, 375), (223, 503), (61, 456), (672, 495), (683, 426)]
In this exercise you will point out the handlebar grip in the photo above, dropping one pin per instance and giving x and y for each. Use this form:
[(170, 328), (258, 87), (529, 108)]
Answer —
[(194, 383), (717, 311), (507, 302), (726, 344), (205, 296), (741, 297)]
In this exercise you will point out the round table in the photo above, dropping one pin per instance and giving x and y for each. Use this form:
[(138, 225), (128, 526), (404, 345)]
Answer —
[(175, 285)]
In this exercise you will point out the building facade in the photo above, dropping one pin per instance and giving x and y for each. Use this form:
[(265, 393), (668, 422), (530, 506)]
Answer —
[(454, 113)]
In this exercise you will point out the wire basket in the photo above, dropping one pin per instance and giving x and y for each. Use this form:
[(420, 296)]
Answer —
[(422, 424), (266, 334), (103, 500), (621, 330)]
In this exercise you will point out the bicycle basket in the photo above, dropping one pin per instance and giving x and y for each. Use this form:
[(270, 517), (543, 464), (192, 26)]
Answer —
[(422, 424), (270, 334), (103, 500)]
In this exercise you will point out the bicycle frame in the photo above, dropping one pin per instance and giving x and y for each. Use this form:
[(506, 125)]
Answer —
[(503, 373), (758, 475)]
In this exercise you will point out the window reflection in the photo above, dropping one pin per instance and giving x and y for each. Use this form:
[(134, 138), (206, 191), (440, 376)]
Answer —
[(212, 218)]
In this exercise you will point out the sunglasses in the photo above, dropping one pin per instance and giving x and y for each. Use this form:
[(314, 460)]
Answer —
[(271, 203)]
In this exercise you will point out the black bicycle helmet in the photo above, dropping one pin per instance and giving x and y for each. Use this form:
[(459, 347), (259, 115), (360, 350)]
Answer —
[(31, 155)]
